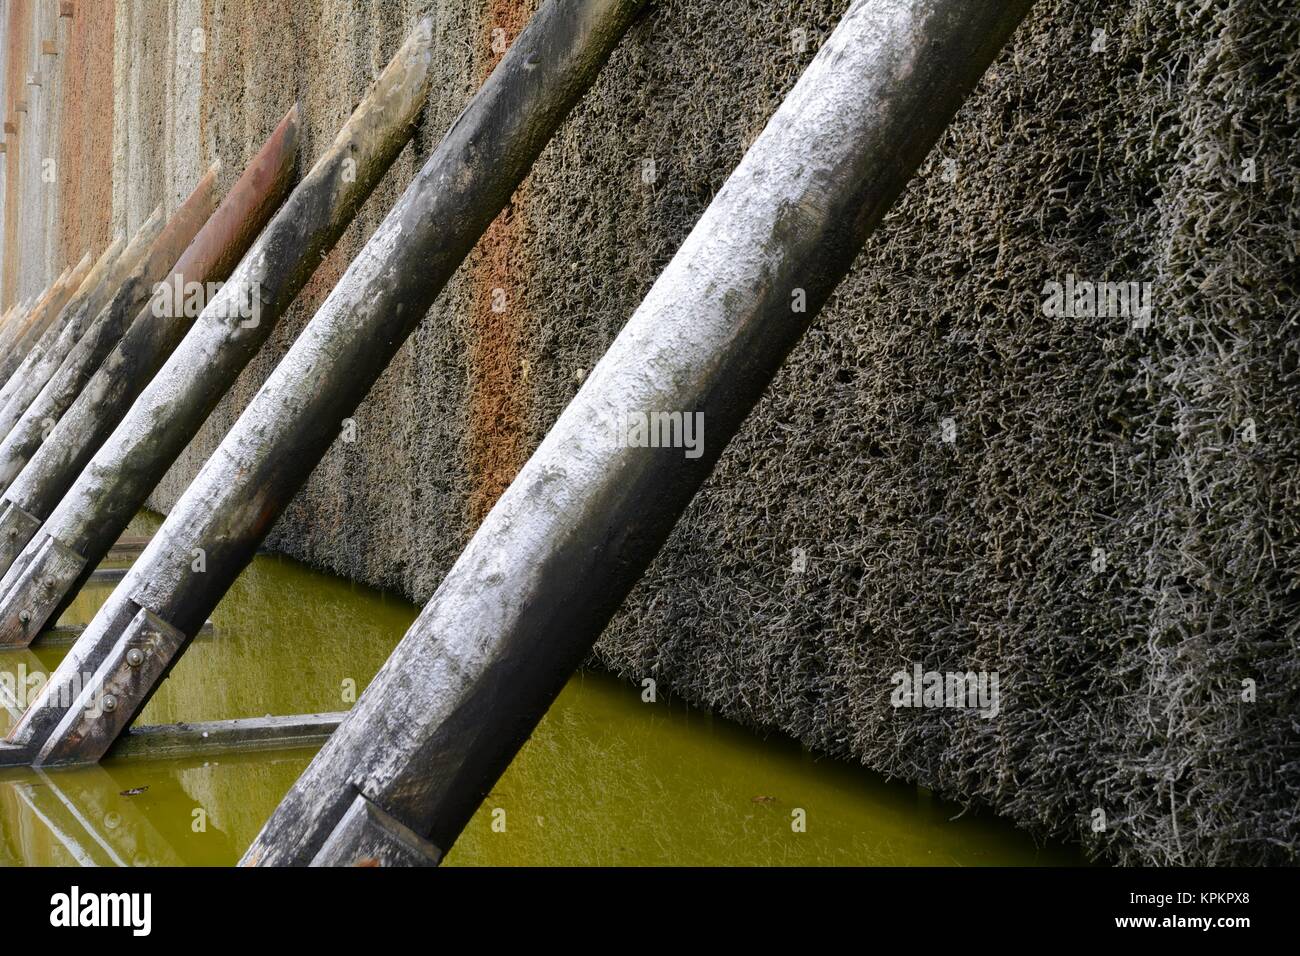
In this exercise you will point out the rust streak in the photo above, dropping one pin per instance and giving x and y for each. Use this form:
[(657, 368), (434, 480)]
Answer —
[(497, 396), (19, 28), (86, 143)]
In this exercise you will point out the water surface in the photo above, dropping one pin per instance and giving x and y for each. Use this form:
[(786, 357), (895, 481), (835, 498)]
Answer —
[(606, 779)]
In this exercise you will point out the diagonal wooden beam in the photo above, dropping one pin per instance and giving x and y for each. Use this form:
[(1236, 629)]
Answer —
[(18, 393), (577, 528), (141, 351), (293, 420), (88, 507), (25, 436)]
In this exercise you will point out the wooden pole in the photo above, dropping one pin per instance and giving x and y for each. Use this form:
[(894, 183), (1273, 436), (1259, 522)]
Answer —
[(23, 321), (170, 411), (20, 314), (36, 355), (292, 421), (129, 367), (105, 332), (79, 316), (42, 320), (576, 529)]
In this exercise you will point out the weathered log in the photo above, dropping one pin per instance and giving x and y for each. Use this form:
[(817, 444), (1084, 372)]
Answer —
[(147, 343), (576, 529), (105, 332), (42, 320), (23, 311), (24, 320), (17, 312), (294, 418), (79, 316), (20, 318), (172, 408), (4, 320), (35, 356)]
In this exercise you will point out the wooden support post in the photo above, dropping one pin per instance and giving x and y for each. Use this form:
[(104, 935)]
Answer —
[(384, 294), (573, 533), (18, 339), (18, 394), (9, 356), (104, 333), (26, 374), (147, 343), (100, 495), (41, 321)]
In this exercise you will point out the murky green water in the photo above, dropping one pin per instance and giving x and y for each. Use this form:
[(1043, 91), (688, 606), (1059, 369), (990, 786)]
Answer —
[(606, 779)]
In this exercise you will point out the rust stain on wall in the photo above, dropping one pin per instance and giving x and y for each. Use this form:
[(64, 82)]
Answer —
[(86, 141), (19, 28), (497, 392)]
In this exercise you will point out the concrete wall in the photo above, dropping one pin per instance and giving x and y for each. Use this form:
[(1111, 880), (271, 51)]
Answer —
[(1111, 527)]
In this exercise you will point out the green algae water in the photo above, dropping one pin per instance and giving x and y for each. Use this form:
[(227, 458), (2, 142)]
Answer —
[(606, 779)]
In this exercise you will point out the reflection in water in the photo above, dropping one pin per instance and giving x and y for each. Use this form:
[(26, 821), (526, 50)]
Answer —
[(606, 779)]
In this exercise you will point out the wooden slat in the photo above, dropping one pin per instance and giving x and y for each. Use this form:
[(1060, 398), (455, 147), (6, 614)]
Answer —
[(61, 635), (227, 736)]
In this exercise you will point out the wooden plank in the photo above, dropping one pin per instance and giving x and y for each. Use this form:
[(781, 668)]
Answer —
[(52, 568), (128, 546), (227, 736), (63, 635)]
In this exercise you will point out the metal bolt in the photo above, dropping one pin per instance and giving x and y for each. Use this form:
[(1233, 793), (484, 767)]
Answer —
[(25, 616), (109, 704), (135, 657)]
